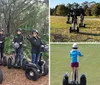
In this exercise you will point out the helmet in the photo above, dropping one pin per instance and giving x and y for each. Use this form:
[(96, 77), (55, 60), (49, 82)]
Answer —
[(1, 29), (34, 30), (16, 45), (75, 46), (19, 29)]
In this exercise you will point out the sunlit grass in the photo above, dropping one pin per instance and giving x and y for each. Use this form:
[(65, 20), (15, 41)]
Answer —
[(60, 30)]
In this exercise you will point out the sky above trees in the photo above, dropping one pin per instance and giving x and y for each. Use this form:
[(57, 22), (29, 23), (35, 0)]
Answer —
[(53, 3)]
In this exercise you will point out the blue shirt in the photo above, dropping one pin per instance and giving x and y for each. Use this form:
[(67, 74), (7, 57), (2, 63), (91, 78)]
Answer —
[(74, 54)]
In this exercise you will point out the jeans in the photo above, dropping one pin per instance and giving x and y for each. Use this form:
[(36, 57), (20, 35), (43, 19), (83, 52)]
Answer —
[(35, 58), (1, 51), (18, 55)]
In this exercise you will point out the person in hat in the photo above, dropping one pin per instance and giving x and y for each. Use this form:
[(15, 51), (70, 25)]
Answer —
[(36, 46), (17, 44), (74, 54), (2, 43)]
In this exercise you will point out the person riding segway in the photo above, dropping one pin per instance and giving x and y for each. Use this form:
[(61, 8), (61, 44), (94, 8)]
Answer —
[(17, 45), (74, 28), (81, 24), (74, 54), (3, 60), (37, 67)]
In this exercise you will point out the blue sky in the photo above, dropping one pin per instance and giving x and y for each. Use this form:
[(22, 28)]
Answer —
[(53, 3)]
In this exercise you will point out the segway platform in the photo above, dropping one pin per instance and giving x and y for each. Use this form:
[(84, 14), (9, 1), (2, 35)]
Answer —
[(66, 80), (74, 30), (11, 65), (82, 25), (68, 22), (16, 66)]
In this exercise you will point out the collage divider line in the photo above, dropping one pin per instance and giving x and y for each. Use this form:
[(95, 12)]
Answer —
[(74, 42)]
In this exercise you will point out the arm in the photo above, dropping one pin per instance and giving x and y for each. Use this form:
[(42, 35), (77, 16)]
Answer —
[(80, 54)]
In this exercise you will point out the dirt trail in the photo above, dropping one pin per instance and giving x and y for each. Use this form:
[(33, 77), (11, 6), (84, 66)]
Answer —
[(17, 77)]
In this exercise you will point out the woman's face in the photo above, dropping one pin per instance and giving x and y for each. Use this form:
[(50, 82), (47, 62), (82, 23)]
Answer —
[(18, 32), (34, 34), (1, 32)]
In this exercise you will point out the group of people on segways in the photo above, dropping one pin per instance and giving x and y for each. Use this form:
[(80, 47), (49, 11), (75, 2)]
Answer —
[(74, 27), (17, 44)]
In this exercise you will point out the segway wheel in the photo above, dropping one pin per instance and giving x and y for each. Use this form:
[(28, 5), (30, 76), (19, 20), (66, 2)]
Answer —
[(65, 79), (1, 76), (80, 25), (45, 70), (70, 30), (24, 63), (77, 29), (4, 61), (67, 22), (84, 25), (32, 73), (83, 80), (9, 63)]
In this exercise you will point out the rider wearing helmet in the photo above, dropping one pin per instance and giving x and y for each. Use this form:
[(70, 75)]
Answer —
[(2, 43), (17, 44), (74, 54), (81, 18), (36, 46)]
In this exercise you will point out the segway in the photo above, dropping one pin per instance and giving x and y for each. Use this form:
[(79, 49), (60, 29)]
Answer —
[(1, 77), (68, 19), (81, 24), (74, 28), (3, 61), (34, 72), (67, 82), (14, 62)]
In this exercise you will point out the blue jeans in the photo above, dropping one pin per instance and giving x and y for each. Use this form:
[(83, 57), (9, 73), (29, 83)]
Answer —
[(35, 58), (18, 52)]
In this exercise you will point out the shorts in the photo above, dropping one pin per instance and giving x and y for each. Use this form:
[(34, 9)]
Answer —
[(76, 64)]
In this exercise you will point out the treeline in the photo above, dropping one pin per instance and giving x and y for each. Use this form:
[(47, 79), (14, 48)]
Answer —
[(86, 8)]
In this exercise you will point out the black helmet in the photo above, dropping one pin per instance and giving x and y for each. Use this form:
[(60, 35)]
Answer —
[(1, 29), (19, 29), (34, 30)]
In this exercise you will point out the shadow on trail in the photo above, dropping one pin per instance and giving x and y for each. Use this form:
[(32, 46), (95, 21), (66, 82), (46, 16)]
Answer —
[(92, 34)]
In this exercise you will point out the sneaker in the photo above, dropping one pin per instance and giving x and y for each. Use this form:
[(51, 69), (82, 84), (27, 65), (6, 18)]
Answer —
[(76, 82), (72, 82)]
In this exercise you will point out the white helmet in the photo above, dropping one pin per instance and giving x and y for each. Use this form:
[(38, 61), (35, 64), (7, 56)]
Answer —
[(75, 45)]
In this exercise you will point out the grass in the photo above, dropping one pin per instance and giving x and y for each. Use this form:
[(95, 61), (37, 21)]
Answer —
[(89, 64), (60, 30)]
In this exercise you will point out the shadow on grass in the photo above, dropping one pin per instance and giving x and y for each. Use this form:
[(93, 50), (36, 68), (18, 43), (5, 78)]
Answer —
[(92, 34)]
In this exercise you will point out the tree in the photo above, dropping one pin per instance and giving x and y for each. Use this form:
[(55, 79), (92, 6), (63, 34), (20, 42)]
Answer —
[(17, 13), (96, 9), (61, 10), (88, 12)]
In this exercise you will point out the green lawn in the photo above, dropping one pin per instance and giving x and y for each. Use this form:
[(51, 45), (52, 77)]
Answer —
[(60, 30), (89, 64)]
